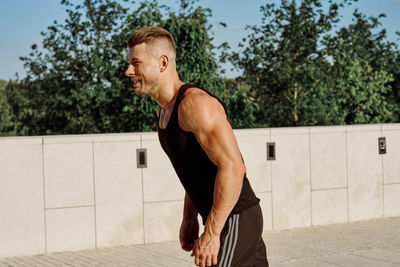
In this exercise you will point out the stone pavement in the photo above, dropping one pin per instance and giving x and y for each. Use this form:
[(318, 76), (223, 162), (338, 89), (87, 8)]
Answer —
[(364, 243)]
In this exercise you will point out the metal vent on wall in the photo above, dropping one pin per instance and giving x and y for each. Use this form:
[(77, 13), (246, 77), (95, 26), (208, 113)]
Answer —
[(141, 157), (271, 151), (382, 145)]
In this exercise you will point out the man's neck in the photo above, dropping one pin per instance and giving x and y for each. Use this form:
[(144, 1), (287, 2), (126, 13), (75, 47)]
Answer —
[(167, 94)]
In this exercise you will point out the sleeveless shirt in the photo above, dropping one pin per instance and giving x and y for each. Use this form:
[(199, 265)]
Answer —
[(195, 170)]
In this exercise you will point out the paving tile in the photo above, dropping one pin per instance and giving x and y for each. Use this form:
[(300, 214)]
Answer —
[(364, 243), (306, 263), (355, 260), (381, 254)]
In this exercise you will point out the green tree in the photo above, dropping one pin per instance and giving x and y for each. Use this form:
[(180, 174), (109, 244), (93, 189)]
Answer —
[(395, 84), (358, 87), (240, 105), (196, 60), (282, 56), (5, 116), (3, 84), (299, 69), (358, 94), (76, 83), (6, 122)]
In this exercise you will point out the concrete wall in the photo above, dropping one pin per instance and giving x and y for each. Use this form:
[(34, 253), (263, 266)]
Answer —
[(61, 193)]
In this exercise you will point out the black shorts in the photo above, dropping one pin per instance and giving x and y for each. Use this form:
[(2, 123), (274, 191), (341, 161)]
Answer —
[(241, 241)]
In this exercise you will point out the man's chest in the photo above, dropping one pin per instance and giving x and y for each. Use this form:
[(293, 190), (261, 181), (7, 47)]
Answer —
[(165, 116)]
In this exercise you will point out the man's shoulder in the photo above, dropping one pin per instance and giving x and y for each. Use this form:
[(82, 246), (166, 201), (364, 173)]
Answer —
[(194, 92), (196, 99), (198, 108)]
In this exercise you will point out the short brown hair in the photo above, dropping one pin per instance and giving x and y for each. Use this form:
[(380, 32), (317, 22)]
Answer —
[(148, 34)]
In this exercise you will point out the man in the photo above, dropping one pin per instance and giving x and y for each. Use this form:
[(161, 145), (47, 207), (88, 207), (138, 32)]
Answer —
[(195, 133)]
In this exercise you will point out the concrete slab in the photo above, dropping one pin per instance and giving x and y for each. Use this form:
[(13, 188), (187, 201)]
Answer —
[(70, 229), (364, 175), (291, 180), (68, 172), (119, 200), (391, 199), (364, 243), (329, 206), (391, 166), (169, 249), (306, 263), (356, 260), (253, 149), (160, 182), (162, 221), (381, 255), (22, 223), (328, 160)]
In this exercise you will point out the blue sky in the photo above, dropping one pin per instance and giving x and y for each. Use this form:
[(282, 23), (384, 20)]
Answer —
[(21, 22)]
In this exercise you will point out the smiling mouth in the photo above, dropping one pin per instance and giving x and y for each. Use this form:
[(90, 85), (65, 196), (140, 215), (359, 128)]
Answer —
[(136, 81)]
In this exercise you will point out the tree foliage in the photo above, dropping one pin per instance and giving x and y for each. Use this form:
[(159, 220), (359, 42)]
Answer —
[(3, 84), (76, 83), (302, 72), (5, 113), (299, 68), (6, 118), (240, 105), (360, 78)]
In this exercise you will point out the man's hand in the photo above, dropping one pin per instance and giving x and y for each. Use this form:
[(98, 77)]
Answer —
[(188, 233), (206, 250)]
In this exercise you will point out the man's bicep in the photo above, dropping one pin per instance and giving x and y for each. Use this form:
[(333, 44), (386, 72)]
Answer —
[(205, 117), (219, 143)]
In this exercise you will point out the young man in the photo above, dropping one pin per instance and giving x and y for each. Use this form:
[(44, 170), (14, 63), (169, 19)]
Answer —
[(195, 133)]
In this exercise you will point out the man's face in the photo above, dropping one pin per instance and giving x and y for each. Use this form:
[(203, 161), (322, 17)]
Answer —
[(143, 69)]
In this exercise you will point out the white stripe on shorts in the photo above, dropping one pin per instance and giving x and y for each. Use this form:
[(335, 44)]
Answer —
[(229, 246)]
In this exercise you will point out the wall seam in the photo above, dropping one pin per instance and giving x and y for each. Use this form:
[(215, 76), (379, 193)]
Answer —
[(141, 172), (383, 180), (94, 197), (71, 207), (347, 175), (117, 141), (166, 201), (328, 189), (392, 184), (44, 199), (272, 188), (309, 159)]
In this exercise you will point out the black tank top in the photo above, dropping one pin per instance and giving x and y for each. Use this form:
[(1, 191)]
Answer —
[(195, 170)]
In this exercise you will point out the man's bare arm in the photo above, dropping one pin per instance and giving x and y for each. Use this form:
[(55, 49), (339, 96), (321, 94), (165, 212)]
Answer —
[(205, 117)]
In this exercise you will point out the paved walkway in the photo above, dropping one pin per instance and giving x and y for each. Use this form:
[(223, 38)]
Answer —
[(366, 243)]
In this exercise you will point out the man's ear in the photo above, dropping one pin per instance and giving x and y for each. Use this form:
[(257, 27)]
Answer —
[(164, 61)]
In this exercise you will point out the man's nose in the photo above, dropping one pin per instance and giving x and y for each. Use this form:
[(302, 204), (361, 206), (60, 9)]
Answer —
[(129, 71)]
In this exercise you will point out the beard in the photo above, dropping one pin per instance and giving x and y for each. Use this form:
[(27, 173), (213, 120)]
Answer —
[(145, 88)]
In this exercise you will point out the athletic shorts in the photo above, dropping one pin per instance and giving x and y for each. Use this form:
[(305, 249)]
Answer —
[(241, 241)]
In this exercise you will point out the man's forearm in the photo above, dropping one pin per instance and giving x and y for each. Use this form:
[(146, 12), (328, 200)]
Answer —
[(228, 185)]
